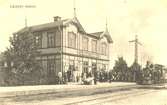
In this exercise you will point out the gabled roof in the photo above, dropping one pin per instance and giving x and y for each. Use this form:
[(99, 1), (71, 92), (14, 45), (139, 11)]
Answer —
[(65, 22), (43, 26), (76, 22), (54, 24), (107, 35), (103, 34), (97, 34)]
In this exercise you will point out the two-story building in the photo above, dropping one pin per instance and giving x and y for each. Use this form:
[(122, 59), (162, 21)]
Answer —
[(65, 46)]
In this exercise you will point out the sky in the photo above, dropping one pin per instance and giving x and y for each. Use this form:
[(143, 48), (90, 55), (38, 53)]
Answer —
[(125, 19)]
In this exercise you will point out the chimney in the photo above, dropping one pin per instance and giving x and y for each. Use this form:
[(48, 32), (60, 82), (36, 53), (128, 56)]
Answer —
[(57, 18)]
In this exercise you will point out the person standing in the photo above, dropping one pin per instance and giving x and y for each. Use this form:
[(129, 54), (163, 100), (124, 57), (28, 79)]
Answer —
[(74, 74), (69, 74), (60, 77), (65, 79), (84, 77), (95, 75)]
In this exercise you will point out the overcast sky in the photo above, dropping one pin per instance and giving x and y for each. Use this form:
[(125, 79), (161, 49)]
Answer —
[(125, 18)]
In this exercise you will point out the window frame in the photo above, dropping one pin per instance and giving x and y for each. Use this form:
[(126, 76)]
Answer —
[(38, 39), (50, 39), (85, 42), (57, 38), (51, 66), (71, 40), (104, 48), (85, 66), (94, 47)]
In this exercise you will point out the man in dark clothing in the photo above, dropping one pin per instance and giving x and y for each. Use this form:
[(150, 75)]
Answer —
[(110, 76), (95, 75), (69, 75), (65, 79)]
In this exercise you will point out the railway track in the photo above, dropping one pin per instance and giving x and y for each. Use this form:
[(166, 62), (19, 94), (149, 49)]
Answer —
[(110, 97), (85, 96), (66, 93)]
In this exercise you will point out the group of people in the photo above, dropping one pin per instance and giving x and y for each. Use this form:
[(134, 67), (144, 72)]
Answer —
[(91, 77), (71, 75), (86, 77)]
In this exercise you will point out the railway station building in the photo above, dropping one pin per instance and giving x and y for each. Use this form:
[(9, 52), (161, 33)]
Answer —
[(65, 46)]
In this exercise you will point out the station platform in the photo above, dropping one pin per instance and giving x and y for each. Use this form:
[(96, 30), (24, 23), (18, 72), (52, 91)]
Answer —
[(64, 90)]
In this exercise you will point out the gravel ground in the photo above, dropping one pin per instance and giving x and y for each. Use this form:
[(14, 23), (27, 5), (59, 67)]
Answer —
[(129, 97), (132, 96)]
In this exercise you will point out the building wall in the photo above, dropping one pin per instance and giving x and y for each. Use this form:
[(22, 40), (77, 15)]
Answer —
[(71, 56), (79, 44), (78, 55), (50, 73)]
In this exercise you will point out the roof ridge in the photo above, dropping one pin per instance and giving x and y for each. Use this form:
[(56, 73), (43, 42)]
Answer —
[(96, 32), (50, 22)]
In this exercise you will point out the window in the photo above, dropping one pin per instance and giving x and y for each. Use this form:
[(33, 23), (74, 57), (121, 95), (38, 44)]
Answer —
[(85, 67), (94, 66), (38, 40), (94, 45), (51, 40), (85, 43), (58, 38), (104, 49), (40, 62), (104, 67), (51, 69), (51, 65), (72, 40)]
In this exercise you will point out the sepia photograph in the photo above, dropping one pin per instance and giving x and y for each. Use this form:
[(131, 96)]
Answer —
[(83, 52)]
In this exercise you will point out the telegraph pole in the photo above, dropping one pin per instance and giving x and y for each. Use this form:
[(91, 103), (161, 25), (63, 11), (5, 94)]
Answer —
[(135, 72), (74, 8), (136, 42)]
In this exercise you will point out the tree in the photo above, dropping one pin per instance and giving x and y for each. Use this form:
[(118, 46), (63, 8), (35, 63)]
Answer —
[(135, 71), (121, 69), (22, 54)]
